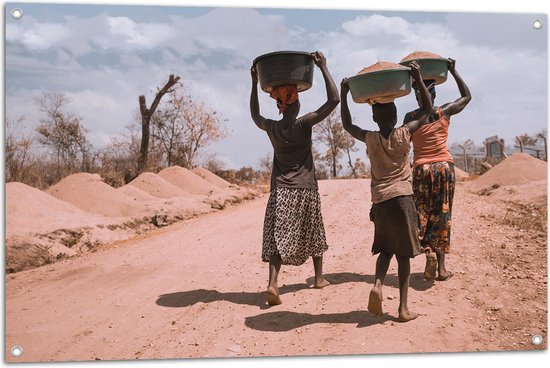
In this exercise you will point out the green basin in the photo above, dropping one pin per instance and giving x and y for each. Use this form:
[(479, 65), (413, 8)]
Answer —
[(432, 68), (380, 85)]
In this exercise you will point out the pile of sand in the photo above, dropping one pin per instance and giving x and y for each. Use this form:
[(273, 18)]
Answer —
[(517, 169), (30, 211), (157, 186), (421, 55), (81, 212), (381, 65), (461, 175), (535, 192), (89, 193), (136, 194), (211, 177), (187, 180)]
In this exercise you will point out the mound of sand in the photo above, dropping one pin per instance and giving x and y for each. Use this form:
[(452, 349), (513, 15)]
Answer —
[(461, 175), (29, 211), (534, 192), (421, 55), (157, 186), (89, 193), (381, 65), (23, 253), (517, 169), (135, 193), (187, 180), (211, 177)]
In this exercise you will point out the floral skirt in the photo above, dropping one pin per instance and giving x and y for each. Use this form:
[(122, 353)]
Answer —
[(434, 187), (293, 226)]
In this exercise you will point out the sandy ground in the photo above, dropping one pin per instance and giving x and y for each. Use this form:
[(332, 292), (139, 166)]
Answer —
[(196, 289)]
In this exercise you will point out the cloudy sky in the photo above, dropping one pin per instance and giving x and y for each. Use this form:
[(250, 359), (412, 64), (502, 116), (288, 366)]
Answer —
[(104, 56)]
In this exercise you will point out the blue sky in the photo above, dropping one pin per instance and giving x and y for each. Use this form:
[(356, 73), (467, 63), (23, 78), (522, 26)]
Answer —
[(104, 56)]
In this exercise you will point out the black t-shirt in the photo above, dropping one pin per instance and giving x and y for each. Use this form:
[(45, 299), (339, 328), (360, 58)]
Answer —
[(292, 159)]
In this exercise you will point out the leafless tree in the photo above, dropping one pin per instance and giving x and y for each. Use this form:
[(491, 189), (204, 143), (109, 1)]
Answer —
[(197, 127), (18, 151), (265, 165), (467, 145), (213, 163), (167, 133), (360, 168), (321, 168), (525, 140), (332, 135), (63, 133), (146, 114)]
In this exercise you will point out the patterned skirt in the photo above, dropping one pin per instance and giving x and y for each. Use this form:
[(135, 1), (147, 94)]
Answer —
[(293, 226), (434, 188)]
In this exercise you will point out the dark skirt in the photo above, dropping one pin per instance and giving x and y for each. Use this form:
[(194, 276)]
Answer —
[(434, 188), (396, 227), (293, 226)]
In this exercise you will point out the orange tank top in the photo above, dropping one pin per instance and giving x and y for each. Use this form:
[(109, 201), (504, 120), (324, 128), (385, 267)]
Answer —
[(430, 141)]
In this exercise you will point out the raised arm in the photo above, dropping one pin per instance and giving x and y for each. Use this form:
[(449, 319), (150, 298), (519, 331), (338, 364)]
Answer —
[(254, 104), (333, 99), (352, 129), (457, 106), (425, 99)]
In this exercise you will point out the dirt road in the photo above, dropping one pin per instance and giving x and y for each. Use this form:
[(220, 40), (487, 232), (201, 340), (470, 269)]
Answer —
[(195, 289)]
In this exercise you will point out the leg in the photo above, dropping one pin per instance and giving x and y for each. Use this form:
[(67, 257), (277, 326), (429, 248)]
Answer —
[(404, 273), (443, 273), (320, 282), (431, 264), (375, 297), (444, 216), (272, 293)]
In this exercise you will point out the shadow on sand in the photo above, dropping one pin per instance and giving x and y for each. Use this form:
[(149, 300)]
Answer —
[(417, 281), (186, 298), (286, 321)]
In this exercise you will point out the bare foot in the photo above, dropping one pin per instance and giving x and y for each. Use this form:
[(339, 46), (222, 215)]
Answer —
[(406, 315), (319, 284), (444, 276), (272, 296), (375, 301)]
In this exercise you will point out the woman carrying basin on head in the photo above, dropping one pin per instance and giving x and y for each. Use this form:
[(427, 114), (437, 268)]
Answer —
[(293, 225), (434, 175)]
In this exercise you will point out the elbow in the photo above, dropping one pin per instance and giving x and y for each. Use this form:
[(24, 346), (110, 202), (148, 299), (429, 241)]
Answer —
[(334, 101), (256, 118), (346, 123), (425, 111)]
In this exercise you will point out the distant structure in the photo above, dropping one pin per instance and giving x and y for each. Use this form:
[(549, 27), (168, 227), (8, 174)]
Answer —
[(475, 161), (494, 150)]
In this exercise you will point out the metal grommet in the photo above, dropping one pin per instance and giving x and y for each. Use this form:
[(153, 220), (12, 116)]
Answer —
[(17, 13), (17, 351), (537, 24), (536, 340)]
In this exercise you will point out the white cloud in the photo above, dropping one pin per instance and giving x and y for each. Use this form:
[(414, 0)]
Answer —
[(373, 25), (137, 35), (13, 32), (44, 35)]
